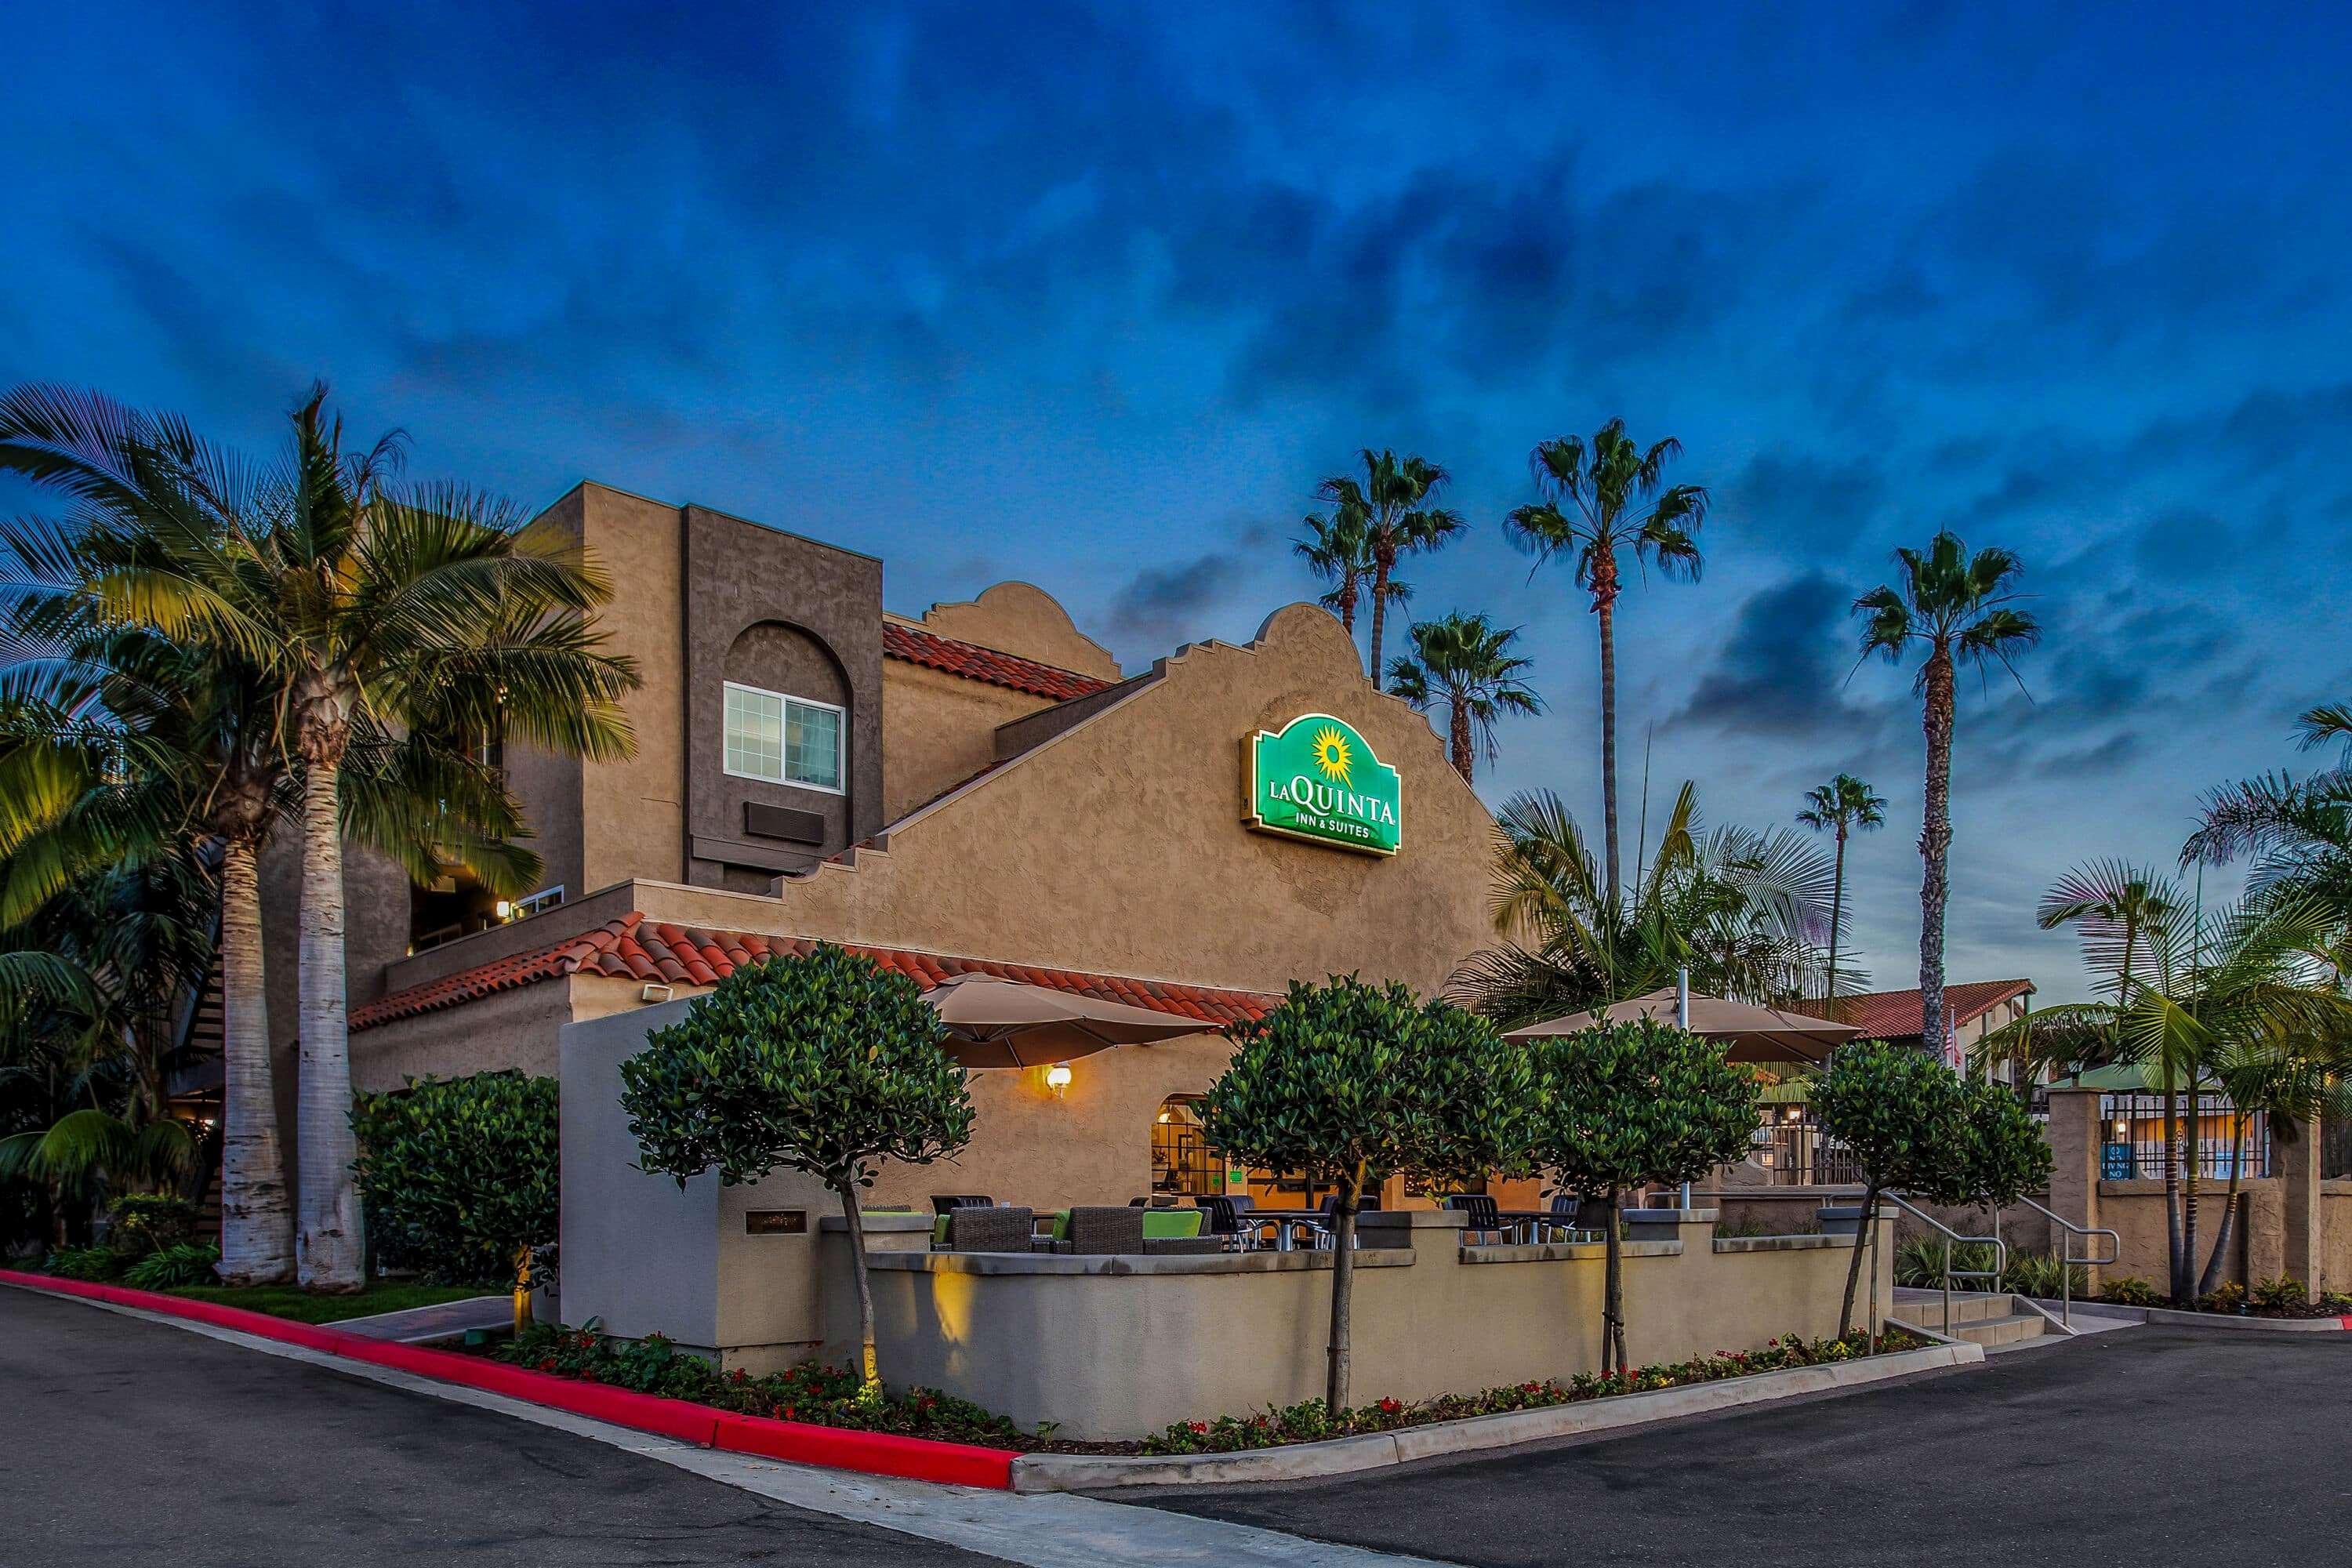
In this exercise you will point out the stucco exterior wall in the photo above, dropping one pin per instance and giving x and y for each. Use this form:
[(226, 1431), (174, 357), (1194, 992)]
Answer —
[(647, 1256), (1023, 619), (2336, 1237), (1113, 1347), (1117, 845), (937, 729), (515, 1029), (633, 811), (2134, 1211), (1090, 1144)]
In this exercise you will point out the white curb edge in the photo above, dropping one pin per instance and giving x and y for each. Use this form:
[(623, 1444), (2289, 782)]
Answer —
[(1345, 1456)]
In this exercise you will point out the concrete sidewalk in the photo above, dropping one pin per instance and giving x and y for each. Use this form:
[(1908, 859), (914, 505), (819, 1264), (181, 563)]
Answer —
[(442, 1320)]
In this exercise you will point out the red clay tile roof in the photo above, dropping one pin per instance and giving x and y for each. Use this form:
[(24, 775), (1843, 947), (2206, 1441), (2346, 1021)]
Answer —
[(1898, 1014), (974, 662), (631, 948)]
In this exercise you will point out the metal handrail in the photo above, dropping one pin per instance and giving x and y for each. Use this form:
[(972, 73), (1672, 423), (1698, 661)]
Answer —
[(2067, 1260), (1952, 1242)]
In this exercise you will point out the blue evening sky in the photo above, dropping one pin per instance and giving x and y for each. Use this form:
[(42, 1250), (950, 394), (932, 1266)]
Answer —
[(1091, 297)]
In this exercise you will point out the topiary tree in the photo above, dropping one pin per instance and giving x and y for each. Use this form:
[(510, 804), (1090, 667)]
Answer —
[(461, 1175), (828, 1064), (1904, 1115), (1347, 1081), (2006, 1156), (1622, 1105)]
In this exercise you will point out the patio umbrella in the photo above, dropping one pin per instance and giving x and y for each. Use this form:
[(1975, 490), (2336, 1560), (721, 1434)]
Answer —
[(994, 1023), (1751, 1033)]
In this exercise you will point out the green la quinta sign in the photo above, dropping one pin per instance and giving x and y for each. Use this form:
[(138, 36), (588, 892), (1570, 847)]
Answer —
[(1318, 779)]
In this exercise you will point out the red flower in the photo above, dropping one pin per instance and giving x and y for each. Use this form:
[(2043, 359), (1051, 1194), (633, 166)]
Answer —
[(1390, 1407), (1200, 1428), (547, 1363)]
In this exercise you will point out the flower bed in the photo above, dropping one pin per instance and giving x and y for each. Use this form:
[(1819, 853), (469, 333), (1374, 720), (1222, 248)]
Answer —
[(827, 1396), (2281, 1298), (830, 1396), (1311, 1421)]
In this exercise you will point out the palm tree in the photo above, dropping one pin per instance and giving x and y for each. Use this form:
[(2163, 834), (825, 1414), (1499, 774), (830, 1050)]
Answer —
[(1844, 805), (1598, 500), (2120, 910), (374, 610), (1958, 606), (2299, 833), (115, 951), (1336, 550), (1393, 501), (2247, 1000), (1466, 664), (1743, 910)]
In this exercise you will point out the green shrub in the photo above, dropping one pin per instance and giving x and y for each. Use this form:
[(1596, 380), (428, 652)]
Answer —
[(183, 1263), (2282, 1294), (2042, 1274), (148, 1221), (2226, 1298), (2129, 1290), (459, 1173), (1920, 1263), (90, 1263)]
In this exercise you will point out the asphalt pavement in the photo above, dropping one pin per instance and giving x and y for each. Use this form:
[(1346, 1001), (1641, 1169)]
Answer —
[(125, 1443), (2149, 1447)]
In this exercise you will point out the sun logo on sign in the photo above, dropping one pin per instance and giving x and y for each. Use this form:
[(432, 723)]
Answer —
[(1332, 754)]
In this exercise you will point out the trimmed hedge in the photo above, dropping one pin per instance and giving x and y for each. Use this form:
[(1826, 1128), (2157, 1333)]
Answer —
[(460, 1173)]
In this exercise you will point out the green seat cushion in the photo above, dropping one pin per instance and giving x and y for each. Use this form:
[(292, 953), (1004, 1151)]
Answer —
[(1171, 1225), (939, 1231), (1061, 1231)]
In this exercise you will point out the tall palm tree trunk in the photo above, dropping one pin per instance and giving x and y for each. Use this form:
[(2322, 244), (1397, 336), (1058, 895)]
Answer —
[(1605, 606), (1934, 848), (1837, 904), (1380, 566), (327, 1247), (2176, 1283), (2189, 1179), (256, 1224), (1458, 739), (2211, 1281)]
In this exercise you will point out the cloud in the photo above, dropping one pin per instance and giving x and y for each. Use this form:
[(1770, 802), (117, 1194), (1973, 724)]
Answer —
[(1161, 605), (1782, 671)]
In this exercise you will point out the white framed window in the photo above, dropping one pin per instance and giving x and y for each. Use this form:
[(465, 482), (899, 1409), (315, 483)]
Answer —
[(780, 739)]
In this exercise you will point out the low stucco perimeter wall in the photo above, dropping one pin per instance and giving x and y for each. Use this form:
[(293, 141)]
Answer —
[(1120, 1347)]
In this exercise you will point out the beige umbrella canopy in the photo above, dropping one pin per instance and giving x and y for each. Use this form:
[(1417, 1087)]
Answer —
[(995, 1022), (1753, 1033)]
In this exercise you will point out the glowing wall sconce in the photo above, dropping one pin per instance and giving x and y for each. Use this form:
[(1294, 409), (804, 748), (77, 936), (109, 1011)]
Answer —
[(1057, 1076), (506, 911)]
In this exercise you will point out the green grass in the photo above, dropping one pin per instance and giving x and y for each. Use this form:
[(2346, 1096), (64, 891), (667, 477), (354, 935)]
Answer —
[(287, 1301)]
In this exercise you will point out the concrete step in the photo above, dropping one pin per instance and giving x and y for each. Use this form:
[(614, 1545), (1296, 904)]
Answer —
[(1967, 1306), (1991, 1321)]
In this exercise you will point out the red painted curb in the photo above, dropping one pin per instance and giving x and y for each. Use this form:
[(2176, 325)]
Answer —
[(2345, 1321), (801, 1442)]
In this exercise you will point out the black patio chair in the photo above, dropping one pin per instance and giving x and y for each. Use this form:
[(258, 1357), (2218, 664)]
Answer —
[(1485, 1218)]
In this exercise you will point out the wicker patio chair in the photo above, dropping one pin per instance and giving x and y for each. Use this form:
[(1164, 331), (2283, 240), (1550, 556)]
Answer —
[(990, 1230), (1094, 1232)]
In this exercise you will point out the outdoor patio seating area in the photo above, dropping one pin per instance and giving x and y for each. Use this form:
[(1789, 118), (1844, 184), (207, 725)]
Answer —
[(1210, 1226)]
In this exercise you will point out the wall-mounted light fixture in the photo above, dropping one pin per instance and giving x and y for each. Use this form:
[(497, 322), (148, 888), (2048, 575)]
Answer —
[(2122, 1129), (506, 910), (1057, 1076), (655, 991)]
